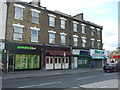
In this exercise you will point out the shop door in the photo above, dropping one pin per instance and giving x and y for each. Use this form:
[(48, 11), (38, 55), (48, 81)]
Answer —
[(49, 62), (65, 63), (57, 63)]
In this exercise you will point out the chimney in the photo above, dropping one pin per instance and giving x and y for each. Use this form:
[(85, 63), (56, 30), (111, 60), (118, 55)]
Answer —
[(36, 3), (79, 16)]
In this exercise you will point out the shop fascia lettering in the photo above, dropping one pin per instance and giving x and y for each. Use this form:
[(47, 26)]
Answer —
[(97, 52), (26, 47)]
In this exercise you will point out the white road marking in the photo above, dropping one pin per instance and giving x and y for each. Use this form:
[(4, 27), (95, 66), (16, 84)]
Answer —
[(103, 86), (85, 77), (109, 74), (40, 84), (74, 87), (113, 83)]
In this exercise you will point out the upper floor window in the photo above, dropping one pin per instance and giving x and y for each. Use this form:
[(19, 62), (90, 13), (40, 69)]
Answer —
[(98, 44), (52, 37), (51, 20), (98, 32), (75, 26), (18, 12), (92, 43), (18, 32), (75, 40), (92, 31), (83, 42), (35, 16), (34, 34), (63, 20), (63, 38), (83, 28)]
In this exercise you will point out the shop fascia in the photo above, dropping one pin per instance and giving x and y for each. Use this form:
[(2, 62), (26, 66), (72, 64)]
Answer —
[(100, 53)]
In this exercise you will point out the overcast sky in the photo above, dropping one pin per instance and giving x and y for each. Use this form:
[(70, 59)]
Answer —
[(101, 12)]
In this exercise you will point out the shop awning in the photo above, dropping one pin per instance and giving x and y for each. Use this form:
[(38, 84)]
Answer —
[(60, 53)]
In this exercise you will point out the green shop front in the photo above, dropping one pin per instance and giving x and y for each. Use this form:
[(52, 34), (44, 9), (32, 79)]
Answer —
[(81, 58), (21, 56)]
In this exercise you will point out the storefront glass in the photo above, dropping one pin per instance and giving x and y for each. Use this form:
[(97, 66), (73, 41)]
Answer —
[(27, 61)]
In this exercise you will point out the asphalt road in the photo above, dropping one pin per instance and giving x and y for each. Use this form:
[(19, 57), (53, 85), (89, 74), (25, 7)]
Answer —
[(79, 80)]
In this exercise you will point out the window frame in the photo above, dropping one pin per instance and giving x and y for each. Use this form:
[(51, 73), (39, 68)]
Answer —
[(15, 33), (17, 14), (52, 38), (35, 17)]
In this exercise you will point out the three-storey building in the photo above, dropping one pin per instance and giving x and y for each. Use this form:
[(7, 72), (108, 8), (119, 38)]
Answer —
[(40, 38)]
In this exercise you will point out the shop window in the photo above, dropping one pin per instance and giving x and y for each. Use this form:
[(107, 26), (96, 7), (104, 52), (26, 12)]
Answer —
[(34, 17), (47, 60), (59, 60), (18, 33), (66, 60), (51, 60), (56, 60)]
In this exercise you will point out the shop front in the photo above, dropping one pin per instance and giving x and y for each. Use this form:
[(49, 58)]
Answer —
[(81, 58), (98, 57), (21, 56), (57, 58)]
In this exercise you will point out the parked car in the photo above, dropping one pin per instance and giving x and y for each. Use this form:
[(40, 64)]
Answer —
[(112, 67)]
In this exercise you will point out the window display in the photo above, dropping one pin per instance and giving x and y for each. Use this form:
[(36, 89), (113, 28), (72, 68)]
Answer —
[(27, 61)]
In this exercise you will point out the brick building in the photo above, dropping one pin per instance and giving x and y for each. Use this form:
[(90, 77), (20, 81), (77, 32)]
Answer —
[(38, 38)]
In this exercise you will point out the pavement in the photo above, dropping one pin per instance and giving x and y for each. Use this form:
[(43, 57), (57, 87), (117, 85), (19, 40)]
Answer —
[(38, 73)]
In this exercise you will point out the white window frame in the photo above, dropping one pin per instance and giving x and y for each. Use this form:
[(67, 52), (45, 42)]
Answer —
[(34, 38), (35, 17), (17, 14), (17, 33), (83, 28), (98, 43), (92, 43), (52, 38), (75, 43), (51, 20), (63, 42), (83, 42), (63, 24)]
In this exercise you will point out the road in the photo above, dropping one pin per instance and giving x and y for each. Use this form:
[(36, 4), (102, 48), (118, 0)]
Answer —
[(80, 80)]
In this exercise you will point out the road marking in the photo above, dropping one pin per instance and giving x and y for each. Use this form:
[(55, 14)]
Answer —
[(109, 74), (103, 86), (74, 87), (40, 84), (86, 78)]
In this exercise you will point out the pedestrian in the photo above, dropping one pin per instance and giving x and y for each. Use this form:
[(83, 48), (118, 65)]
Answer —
[(92, 65)]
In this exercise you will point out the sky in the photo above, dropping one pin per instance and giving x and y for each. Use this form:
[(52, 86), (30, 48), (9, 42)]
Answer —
[(101, 12)]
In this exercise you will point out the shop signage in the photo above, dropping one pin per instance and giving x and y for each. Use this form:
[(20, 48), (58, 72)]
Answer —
[(97, 53), (26, 47)]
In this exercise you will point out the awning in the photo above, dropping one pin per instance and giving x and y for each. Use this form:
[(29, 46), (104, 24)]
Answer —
[(60, 53)]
